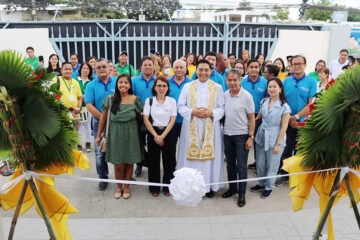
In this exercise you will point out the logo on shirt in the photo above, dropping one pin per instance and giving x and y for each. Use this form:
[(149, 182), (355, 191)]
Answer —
[(261, 89), (305, 89)]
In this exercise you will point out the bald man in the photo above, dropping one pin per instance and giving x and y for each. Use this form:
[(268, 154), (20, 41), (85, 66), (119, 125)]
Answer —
[(177, 82)]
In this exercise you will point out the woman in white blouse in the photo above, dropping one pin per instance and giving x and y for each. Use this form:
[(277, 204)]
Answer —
[(159, 117)]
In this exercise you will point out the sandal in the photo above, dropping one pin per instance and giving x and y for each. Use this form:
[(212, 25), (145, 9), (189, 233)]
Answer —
[(155, 194), (167, 194), (126, 195), (117, 195)]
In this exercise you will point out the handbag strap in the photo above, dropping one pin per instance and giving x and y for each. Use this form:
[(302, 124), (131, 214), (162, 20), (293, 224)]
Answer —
[(108, 117)]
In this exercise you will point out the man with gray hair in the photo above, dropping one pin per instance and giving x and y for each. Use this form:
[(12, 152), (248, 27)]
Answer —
[(96, 92), (177, 82), (239, 130)]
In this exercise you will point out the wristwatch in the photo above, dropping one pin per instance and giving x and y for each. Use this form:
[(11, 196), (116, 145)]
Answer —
[(252, 137), (297, 117)]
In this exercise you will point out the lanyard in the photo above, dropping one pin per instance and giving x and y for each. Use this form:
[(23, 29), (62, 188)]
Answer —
[(67, 86)]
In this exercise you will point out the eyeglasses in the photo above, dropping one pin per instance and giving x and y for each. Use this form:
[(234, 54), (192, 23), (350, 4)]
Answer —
[(161, 85), (297, 64), (101, 67)]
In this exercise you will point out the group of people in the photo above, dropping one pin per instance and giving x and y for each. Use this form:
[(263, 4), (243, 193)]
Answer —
[(216, 106)]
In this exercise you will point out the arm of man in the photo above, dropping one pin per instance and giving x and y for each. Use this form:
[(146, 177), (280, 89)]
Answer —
[(250, 141), (93, 110), (284, 125)]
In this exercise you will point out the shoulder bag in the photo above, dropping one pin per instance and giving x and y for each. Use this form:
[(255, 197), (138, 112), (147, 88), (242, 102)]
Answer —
[(103, 138)]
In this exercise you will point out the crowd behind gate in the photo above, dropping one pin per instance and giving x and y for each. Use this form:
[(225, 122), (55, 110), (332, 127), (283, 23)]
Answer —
[(212, 108)]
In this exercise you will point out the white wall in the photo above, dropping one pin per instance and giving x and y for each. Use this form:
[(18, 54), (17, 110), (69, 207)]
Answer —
[(339, 39), (313, 45), (20, 39)]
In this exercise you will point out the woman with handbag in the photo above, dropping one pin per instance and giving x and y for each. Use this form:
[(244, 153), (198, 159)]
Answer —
[(122, 140), (159, 117)]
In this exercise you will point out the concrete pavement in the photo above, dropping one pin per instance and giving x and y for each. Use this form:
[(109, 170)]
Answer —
[(145, 217)]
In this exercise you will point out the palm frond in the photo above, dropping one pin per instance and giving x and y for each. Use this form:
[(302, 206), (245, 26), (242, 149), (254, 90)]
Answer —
[(40, 121), (14, 71)]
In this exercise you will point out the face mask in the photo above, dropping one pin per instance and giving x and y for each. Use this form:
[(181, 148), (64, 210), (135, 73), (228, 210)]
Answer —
[(167, 71)]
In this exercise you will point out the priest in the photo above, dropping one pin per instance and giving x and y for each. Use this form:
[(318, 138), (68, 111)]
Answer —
[(201, 104)]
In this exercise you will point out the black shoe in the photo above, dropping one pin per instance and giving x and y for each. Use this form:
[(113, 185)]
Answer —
[(88, 147), (138, 170), (252, 166), (79, 148), (266, 194), (210, 194), (102, 186), (281, 181), (257, 188), (241, 200), (229, 193)]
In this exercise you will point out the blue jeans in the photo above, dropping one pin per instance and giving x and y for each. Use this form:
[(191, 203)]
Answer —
[(237, 157), (101, 165), (267, 164)]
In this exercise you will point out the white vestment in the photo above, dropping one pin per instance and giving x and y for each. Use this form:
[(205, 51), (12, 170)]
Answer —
[(212, 170)]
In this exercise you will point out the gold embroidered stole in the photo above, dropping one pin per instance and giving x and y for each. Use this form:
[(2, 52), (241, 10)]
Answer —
[(194, 151)]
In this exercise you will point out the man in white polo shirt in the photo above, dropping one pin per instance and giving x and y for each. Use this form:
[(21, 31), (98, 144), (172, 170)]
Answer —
[(239, 130), (337, 65)]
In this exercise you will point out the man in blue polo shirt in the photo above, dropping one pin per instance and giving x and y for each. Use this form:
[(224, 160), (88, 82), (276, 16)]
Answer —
[(256, 86), (215, 75), (254, 83), (299, 92), (74, 60), (141, 86), (177, 82), (96, 92)]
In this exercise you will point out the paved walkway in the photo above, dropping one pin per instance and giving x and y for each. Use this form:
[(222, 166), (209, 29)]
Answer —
[(145, 217)]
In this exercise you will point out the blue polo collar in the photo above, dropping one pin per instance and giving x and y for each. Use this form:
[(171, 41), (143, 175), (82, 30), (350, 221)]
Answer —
[(173, 81), (147, 82), (298, 80), (213, 73), (253, 83)]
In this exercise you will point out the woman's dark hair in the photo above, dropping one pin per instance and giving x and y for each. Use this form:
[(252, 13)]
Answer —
[(258, 56), (320, 61), (188, 55), (163, 79), (115, 107), (197, 59), (282, 93), (49, 68), (90, 68), (242, 63), (282, 62), (91, 57)]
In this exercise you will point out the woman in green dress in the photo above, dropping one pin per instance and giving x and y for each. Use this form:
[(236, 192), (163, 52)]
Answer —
[(123, 143)]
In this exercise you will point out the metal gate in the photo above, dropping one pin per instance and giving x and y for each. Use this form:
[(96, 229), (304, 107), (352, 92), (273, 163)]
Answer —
[(108, 38)]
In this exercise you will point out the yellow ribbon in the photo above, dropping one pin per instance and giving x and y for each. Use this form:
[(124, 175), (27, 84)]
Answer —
[(56, 205), (322, 183)]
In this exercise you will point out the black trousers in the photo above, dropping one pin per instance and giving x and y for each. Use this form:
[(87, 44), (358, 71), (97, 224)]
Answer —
[(168, 157), (290, 149)]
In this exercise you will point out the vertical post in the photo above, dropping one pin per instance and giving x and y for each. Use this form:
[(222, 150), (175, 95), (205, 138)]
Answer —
[(17, 212), (33, 10), (113, 41), (1, 228), (352, 199)]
